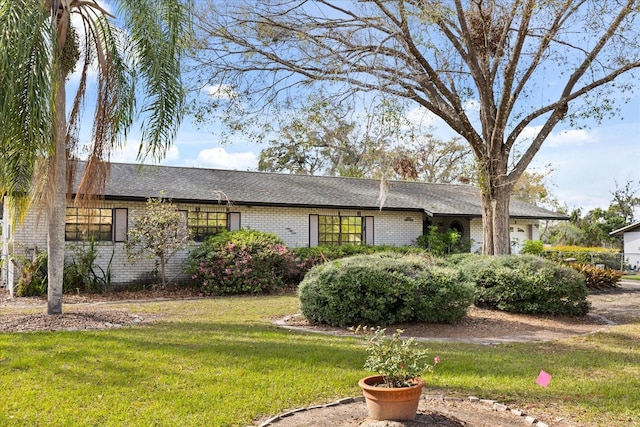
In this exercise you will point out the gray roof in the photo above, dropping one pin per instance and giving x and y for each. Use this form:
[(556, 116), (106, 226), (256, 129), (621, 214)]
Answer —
[(630, 227), (199, 185)]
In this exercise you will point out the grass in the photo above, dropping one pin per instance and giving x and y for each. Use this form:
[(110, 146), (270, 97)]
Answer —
[(631, 277), (221, 362)]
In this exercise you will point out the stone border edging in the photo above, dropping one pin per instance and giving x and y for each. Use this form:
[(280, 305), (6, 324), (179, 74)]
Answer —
[(499, 407)]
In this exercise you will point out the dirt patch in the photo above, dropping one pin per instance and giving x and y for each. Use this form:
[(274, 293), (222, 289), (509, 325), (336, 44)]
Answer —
[(483, 326), (433, 411), (616, 306), (85, 311), (69, 321)]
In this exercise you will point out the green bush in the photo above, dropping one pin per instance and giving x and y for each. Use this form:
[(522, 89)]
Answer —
[(321, 254), (597, 278), (382, 289), (532, 247), (244, 261), (33, 281), (441, 244), (526, 284), (82, 274)]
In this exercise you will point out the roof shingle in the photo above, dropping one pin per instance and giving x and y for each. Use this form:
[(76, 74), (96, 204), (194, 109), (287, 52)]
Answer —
[(199, 185)]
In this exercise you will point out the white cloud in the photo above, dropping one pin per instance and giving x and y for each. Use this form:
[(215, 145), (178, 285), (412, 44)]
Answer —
[(565, 138), (219, 158), (529, 132), (574, 137), (129, 152), (220, 91), (421, 116), (471, 105)]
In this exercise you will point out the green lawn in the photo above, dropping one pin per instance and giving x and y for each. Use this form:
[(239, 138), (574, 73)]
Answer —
[(220, 362)]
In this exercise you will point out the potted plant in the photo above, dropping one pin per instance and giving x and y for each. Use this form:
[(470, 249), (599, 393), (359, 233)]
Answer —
[(394, 393)]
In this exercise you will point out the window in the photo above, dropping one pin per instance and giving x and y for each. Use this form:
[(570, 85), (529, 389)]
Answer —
[(339, 230), (88, 223), (204, 224)]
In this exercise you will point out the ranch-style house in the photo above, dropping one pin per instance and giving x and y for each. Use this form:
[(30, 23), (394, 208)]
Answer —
[(303, 210)]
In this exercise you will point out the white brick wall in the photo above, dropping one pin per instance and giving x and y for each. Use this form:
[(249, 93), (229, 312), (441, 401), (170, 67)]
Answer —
[(292, 224)]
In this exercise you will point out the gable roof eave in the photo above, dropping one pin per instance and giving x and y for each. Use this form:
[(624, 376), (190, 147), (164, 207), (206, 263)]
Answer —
[(625, 228)]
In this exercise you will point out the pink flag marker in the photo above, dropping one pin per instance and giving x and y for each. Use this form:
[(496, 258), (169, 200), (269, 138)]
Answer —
[(543, 379)]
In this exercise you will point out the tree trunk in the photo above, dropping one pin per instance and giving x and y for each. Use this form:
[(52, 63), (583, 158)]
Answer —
[(163, 264), (57, 203), (495, 220)]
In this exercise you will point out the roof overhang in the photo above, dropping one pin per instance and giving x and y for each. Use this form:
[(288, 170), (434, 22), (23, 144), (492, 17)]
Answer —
[(624, 229)]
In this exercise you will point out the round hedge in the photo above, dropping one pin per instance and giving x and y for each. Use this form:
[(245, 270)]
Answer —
[(526, 284), (382, 289)]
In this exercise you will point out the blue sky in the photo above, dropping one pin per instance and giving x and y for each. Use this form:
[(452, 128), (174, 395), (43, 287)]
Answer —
[(586, 163)]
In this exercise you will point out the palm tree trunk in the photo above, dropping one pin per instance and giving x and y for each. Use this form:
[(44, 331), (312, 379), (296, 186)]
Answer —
[(57, 205)]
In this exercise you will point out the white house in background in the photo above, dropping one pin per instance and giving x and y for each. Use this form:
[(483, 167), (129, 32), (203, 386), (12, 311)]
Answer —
[(631, 237), (303, 210)]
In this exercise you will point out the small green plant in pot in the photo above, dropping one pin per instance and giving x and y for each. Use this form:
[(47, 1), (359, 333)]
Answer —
[(394, 393)]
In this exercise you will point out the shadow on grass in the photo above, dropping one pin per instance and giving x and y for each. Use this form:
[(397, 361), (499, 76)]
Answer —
[(193, 367)]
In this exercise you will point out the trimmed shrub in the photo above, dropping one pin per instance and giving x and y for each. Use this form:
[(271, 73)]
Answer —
[(526, 284), (241, 262), (382, 289), (321, 254), (597, 278)]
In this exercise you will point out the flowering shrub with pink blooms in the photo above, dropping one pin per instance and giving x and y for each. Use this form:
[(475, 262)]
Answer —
[(244, 262)]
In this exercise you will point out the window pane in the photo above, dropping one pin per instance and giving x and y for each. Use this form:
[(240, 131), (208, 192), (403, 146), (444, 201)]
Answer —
[(204, 224), (336, 230), (88, 224)]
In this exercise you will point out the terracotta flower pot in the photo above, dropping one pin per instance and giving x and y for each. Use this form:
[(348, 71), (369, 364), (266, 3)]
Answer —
[(391, 403)]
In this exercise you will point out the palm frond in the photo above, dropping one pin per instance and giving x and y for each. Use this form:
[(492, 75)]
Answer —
[(158, 30), (26, 94)]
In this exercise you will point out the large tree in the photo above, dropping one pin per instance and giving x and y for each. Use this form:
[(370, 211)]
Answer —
[(138, 58), (328, 138), (492, 70)]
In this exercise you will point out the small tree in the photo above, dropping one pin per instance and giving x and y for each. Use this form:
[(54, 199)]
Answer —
[(158, 233)]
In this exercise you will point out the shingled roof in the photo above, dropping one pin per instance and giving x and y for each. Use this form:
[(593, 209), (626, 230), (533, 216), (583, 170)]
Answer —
[(199, 185)]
